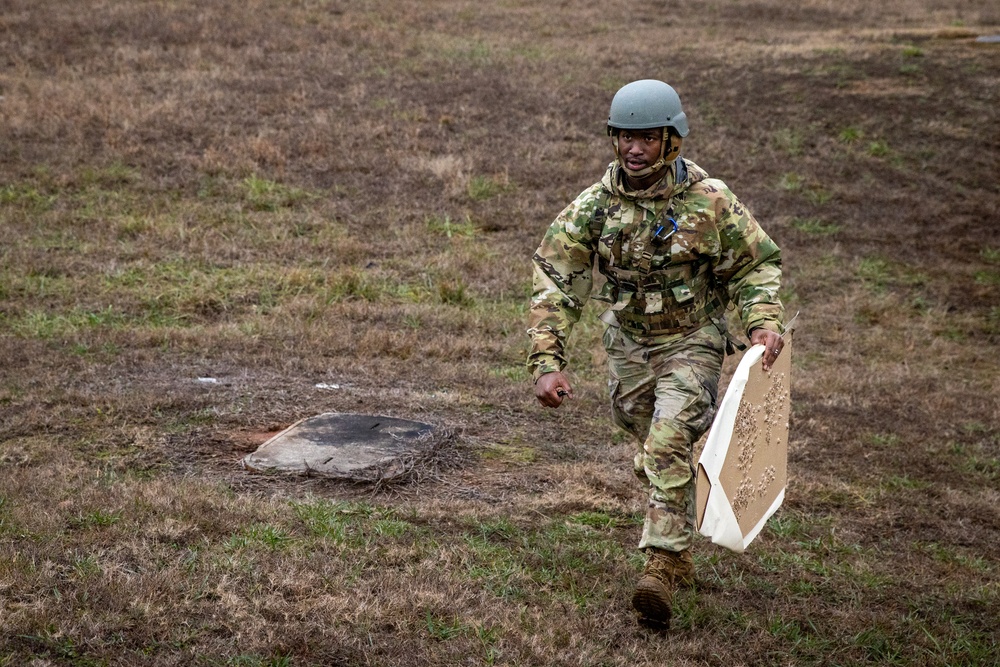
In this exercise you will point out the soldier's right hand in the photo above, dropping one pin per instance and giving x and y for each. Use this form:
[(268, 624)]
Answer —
[(552, 388)]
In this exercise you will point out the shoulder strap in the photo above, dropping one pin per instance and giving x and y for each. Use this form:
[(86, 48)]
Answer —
[(600, 214), (680, 170)]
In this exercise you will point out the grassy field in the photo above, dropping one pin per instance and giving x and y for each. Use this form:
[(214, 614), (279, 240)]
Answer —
[(283, 193)]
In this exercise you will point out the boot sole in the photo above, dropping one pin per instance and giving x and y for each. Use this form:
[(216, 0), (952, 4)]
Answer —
[(652, 600)]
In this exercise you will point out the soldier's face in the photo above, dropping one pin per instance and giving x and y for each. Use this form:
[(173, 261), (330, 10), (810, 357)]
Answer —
[(639, 148)]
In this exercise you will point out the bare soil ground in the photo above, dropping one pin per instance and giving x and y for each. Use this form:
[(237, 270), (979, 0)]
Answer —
[(282, 194)]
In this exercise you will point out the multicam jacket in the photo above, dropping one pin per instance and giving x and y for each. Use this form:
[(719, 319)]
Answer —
[(671, 259)]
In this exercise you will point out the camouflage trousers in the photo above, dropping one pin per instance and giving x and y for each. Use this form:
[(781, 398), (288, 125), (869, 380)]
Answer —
[(664, 393)]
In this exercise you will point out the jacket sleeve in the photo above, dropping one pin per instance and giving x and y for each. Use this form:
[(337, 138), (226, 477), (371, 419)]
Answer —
[(562, 282), (749, 266)]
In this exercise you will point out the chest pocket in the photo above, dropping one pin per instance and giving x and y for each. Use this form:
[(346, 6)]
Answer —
[(672, 291)]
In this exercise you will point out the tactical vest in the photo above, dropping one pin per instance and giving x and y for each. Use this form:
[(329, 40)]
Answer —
[(676, 299)]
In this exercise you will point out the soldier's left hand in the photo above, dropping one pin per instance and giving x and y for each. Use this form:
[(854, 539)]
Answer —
[(772, 343)]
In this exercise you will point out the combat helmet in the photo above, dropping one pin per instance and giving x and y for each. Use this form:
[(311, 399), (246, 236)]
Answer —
[(646, 104)]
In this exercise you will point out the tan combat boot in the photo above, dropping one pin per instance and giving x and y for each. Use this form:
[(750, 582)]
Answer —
[(654, 594)]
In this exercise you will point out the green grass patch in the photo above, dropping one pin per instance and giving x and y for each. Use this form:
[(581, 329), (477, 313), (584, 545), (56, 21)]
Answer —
[(882, 440), (880, 646), (264, 195), (511, 453), (442, 629), (260, 535), (817, 195), (879, 273), (446, 226), (98, 518), (850, 135), (47, 325), (514, 372), (790, 526), (7, 525), (813, 193), (953, 555), (879, 148), (481, 188), (988, 277), (27, 197), (335, 520), (816, 226), (598, 520), (905, 483), (114, 176)]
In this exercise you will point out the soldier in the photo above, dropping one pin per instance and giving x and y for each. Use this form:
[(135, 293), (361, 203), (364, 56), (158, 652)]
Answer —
[(676, 248)]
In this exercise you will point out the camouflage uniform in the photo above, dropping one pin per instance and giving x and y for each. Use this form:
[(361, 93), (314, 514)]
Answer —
[(666, 335)]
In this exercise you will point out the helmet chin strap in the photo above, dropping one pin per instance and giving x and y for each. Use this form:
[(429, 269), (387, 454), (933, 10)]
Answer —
[(664, 159)]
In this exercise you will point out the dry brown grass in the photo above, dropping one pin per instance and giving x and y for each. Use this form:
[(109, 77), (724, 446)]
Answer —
[(281, 194)]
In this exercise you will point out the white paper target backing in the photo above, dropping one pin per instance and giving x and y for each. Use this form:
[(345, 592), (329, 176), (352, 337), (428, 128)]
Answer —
[(743, 468)]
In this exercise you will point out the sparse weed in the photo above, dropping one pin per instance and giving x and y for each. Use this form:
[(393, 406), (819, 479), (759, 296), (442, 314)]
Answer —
[(455, 292), (486, 187), (111, 177), (875, 272), (850, 135), (443, 629), (880, 646), (511, 453), (953, 555), (974, 427), (885, 440), (791, 181), (352, 284), (789, 140), (264, 535), (986, 466), (514, 372), (338, 521), (445, 225), (988, 277), (27, 197), (86, 566), (816, 226), (265, 195), (818, 196), (391, 528), (879, 148), (905, 482), (814, 193), (991, 255), (789, 526), (97, 519)]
